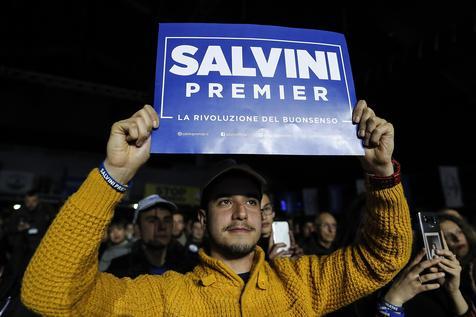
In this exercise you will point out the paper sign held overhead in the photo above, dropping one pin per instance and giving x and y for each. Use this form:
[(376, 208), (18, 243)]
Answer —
[(249, 89)]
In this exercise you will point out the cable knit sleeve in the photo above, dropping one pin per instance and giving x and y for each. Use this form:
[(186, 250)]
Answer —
[(338, 279), (62, 278)]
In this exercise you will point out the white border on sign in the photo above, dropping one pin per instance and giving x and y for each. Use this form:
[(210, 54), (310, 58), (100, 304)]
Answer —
[(247, 39)]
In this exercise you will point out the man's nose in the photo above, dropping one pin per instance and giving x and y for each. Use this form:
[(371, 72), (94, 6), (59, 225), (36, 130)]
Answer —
[(240, 211), (159, 225)]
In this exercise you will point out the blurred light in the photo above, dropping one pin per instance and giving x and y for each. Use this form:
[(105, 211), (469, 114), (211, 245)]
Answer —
[(135, 206), (16, 206), (284, 206)]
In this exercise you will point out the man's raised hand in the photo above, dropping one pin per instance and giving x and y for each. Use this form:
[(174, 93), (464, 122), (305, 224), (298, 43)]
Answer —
[(128, 147), (378, 138)]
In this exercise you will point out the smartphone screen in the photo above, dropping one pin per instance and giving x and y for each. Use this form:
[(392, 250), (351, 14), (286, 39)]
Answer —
[(281, 234), (430, 233)]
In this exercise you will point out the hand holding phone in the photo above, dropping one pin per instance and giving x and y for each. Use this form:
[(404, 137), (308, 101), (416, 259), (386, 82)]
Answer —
[(281, 234)]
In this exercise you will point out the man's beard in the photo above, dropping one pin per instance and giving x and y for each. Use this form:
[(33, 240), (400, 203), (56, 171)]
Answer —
[(235, 251)]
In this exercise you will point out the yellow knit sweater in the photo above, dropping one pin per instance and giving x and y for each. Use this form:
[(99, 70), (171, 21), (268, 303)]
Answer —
[(63, 279)]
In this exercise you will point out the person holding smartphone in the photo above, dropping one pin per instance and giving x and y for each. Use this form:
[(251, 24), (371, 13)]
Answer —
[(422, 276), (269, 242), (233, 278)]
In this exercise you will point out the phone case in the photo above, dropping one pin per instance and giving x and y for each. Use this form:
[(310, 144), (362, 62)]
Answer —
[(430, 233)]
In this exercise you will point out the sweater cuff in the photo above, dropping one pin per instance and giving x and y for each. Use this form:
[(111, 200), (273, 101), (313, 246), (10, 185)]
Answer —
[(96, 197), (382, 182)]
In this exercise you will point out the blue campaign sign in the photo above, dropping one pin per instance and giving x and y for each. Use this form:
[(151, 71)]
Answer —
[(252, 89)]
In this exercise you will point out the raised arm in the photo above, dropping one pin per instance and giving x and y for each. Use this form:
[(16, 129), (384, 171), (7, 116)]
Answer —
[(62, 278), (385, 245)]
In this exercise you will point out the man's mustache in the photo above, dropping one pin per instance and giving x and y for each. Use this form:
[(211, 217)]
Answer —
[(239, 225)]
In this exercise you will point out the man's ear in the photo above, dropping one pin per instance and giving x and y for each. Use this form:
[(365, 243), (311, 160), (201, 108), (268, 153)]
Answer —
[(202, 217)]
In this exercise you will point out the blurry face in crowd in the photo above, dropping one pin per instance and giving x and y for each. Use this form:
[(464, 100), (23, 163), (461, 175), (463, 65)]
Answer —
[(179, 225), (234, 224), (31, 202), (197, 231), (156, 227), (307, 229), (455, 238), (267, 216), (326, 227), (117, 234), (129, 231)]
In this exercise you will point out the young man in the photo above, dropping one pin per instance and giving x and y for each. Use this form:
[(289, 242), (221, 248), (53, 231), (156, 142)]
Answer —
[(232, 279), (156, 251)]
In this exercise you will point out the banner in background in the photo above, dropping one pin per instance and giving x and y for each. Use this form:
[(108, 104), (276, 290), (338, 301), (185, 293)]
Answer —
[(181, 195), (249, 89)]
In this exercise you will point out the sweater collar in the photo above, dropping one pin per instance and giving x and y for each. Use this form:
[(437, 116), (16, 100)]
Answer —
[(213, 265)]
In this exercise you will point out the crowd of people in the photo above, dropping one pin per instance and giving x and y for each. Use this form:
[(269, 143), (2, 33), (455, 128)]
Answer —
[(224, 260)]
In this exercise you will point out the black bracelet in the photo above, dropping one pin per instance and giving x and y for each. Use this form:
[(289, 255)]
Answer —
[(111, 181)]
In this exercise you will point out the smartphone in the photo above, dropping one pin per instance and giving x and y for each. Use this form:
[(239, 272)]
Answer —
[(430, 233), (281, 234)]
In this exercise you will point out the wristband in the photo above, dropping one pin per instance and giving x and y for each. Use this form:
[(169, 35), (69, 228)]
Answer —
[(387, 309), (383, 182), (111, 181)]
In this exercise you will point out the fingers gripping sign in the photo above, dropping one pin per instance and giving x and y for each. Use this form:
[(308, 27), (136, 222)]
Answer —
[(128, 147), (378, 139)]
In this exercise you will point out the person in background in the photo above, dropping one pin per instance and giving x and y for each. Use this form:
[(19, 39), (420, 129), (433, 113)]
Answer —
[(178, 230), (118, 245), (469, 229), (461, 240), (196, 239), (156, 251), (273, 250), (326, 230), (307, 239), (27, 226), (267, 218), (428, 288), (131, 232)]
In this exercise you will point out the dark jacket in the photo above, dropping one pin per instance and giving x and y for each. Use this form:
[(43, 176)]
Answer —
[(135, 263), (10, 303)]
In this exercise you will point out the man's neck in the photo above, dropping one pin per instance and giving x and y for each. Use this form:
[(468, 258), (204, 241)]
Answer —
[(241, 265), (155, 257)]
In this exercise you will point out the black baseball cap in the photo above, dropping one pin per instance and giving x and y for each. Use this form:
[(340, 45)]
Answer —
[(242, 173)]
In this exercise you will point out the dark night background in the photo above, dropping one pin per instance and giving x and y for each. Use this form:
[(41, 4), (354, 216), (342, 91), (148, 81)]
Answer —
[(68, 70)]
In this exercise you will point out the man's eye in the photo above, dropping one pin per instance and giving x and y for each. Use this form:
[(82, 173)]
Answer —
[(224, 202), (253, 202)]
